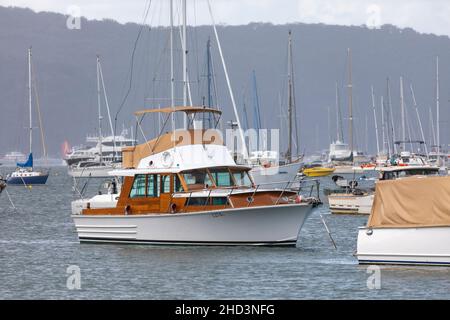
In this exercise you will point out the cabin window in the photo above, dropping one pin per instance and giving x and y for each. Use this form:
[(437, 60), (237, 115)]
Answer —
[(222, 177), (242, 179), (138, 189), (196, 201), (165, 184), (152, 185), (178, 185), (202, 201), (197, 179), (219, 201)]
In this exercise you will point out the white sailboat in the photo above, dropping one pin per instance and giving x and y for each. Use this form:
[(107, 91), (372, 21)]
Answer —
[(267, 169), (106, 155)]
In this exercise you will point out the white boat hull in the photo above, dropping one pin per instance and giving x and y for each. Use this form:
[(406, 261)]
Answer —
[(90, 172), (350, 204), (412, 246), (271, 225), (275, 176)]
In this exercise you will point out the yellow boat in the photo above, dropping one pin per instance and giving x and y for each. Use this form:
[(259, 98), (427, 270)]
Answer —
[(318, 171)]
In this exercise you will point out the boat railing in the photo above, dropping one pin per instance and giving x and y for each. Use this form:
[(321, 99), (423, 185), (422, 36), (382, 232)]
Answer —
[(304, 187)]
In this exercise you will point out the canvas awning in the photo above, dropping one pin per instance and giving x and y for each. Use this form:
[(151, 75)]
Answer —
[(411, 202)]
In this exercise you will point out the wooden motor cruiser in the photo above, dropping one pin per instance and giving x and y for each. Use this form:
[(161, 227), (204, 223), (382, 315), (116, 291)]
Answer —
[(183, 187)]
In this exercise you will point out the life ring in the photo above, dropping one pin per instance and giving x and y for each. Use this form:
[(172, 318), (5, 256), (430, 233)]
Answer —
[(167, 159)]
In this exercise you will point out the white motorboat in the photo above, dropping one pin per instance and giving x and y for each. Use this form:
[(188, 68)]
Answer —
[(340, 152), (267, 171), (11, 158), (93, 169), (183, 187), (350, 199), (409, 223)]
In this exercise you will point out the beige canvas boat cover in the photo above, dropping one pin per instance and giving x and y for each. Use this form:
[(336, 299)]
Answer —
[(411, 202)]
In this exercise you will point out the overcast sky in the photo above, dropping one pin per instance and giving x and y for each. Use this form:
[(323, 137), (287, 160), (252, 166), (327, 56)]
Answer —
[(428, 16)]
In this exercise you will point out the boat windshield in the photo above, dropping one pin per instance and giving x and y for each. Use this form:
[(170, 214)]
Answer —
[(242, 179), (197, 179), (219, 177), (340, 147), (391, 175), (222, 177)]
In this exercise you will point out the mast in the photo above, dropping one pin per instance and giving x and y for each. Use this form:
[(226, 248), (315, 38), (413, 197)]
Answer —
[(433, 132), (418, 118), (172, 80), (185, 75), (99, 111), (290, 100), (208, 67), (330, 140), (108, 110), (350, 100), (227, 78), (438, 141), (391, 131), (402, 106), (257, 119), (339, 133), (383, 127), (375, 120), (29, 100)]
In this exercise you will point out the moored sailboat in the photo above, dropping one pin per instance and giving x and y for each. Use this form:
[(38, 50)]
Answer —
[(25, 174)]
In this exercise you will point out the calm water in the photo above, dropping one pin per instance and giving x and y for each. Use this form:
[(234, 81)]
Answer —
[(38, 242)]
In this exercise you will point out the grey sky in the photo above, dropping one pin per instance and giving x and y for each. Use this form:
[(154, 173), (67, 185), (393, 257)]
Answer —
[(428, 16)]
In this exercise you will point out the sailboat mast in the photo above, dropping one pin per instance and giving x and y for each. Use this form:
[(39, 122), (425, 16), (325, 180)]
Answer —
[(437, 111), (208, 67), (350, 99), (375, 120), (100, 138), (418, 118), (402, 106), (29, 100), (172, 80), (185, 75), (391, 130), (290, 102), (339, 133), (383, 126)]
